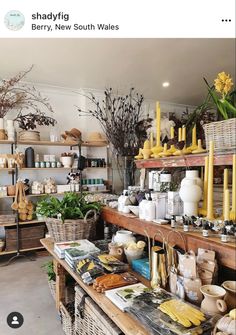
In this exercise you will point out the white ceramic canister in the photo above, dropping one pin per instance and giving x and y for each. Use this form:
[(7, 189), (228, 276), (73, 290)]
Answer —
[(124, 237), (150, 210), (142, 209)]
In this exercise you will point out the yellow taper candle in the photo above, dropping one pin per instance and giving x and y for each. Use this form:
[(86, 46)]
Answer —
[(180, 134), (225, 187), (184, 133), (233, 212), (194, 136), (210, 210), (172, 132), (205, 184), (226, 205), (151, 139), (158, 124)]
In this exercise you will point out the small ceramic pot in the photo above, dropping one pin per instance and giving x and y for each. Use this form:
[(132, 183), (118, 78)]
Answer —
[(124, 237), (133, 254), (213, 302), (116, 250), (230, 297), (67, 161)]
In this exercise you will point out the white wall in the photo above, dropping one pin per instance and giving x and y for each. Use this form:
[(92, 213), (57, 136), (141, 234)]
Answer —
[(64, 102)]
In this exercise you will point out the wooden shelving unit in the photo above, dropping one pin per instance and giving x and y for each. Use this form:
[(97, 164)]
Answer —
[(226, 252), (184, 161)]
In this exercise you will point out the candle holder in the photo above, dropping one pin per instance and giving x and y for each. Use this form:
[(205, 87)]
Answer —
[(199, 149), (165, 152), (139, 156), (156, 150)]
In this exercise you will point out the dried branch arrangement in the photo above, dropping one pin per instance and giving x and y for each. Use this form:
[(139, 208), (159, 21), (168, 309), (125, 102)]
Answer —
[(15, 95), (122, 120)]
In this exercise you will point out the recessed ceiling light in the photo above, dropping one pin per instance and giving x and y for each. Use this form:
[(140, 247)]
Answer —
[(166, 84)]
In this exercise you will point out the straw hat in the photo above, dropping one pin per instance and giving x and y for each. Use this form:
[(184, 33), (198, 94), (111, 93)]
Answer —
[(71, 135), (96, 137)]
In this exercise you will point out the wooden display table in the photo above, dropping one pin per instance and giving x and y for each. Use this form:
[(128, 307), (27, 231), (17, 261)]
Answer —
[(123, 320), (226, 252)]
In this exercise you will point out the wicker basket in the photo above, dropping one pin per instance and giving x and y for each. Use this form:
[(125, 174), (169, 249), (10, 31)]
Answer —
[(90, 319), (69, 291), (223, 133), (67, 320), (71, 230)]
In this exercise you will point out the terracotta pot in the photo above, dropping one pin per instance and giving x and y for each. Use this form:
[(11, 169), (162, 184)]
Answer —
[(230, 297), (213, 302), (116, 250), (11, 190)]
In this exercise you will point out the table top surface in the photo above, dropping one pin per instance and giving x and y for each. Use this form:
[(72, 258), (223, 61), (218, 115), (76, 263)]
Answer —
[(123, 320)]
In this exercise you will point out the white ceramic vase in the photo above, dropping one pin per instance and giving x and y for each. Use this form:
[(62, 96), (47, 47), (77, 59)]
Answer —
[(190, 193), (193, 175), (124, 237), (10, 130)]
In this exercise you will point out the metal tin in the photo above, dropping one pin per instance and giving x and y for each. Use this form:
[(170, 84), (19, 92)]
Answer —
[(42, 164)]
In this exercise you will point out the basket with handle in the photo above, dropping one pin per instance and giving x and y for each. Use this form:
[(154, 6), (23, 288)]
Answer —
[(223, 133), (71, 230)]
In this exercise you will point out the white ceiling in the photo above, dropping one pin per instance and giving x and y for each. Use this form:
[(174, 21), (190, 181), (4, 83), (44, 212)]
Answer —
[(122, 63)]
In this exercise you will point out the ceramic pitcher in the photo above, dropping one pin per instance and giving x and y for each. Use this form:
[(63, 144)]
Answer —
[(230, 297), (116, 250), (213, 302)]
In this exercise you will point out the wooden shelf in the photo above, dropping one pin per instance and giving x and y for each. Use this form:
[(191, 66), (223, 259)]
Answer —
[(226, 252), (42, 169), (6, 142), (54, 194), (184, 161), (22, 250), (61, 144), (21, 223)]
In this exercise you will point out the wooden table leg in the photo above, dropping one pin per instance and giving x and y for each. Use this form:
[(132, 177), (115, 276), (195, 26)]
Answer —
[(60, 283)]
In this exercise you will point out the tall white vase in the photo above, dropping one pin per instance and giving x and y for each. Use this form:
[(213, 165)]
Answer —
[(10, 130), (193, 175), (191, 193)]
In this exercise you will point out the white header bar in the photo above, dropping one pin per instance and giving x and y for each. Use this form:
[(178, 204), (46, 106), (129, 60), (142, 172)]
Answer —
[(118, 18)]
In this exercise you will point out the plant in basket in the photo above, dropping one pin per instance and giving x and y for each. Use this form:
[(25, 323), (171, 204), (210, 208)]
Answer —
[(71, 218)]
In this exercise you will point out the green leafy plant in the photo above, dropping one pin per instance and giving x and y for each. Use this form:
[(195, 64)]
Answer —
[(73, 206), (48, 266)]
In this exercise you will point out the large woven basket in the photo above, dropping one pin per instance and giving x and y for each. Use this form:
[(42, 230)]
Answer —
[(71, 230), (90, 319), (67, 320), (223, 133)]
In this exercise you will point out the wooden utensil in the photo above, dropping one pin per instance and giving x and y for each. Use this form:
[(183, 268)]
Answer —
[(14, 205)]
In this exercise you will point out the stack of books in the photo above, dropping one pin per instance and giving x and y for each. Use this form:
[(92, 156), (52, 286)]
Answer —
[(141, 266), (79, 248)]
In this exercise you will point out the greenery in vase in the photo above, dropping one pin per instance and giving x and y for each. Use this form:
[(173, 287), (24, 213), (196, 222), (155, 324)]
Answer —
[(73, 206), (17, 96)]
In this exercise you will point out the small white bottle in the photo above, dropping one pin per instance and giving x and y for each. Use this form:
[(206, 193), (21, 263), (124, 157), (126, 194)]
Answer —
[(142, 208), (121, 200), (150, 210), (125, 208)]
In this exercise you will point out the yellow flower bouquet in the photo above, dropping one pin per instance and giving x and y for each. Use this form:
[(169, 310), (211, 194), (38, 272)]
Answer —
[(222, 95)]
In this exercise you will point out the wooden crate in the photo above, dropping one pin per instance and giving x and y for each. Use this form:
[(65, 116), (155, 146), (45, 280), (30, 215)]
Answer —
[(29, 237)]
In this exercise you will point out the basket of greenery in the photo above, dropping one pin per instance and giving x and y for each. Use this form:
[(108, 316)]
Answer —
[(71, 218)]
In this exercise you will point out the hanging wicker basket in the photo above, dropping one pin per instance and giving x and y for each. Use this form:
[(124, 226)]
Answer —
[(71, 230), (223, 133)]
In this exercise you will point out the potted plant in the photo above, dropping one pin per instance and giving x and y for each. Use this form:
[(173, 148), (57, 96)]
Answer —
[(67, 159), (71, 218), (19, 97)]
